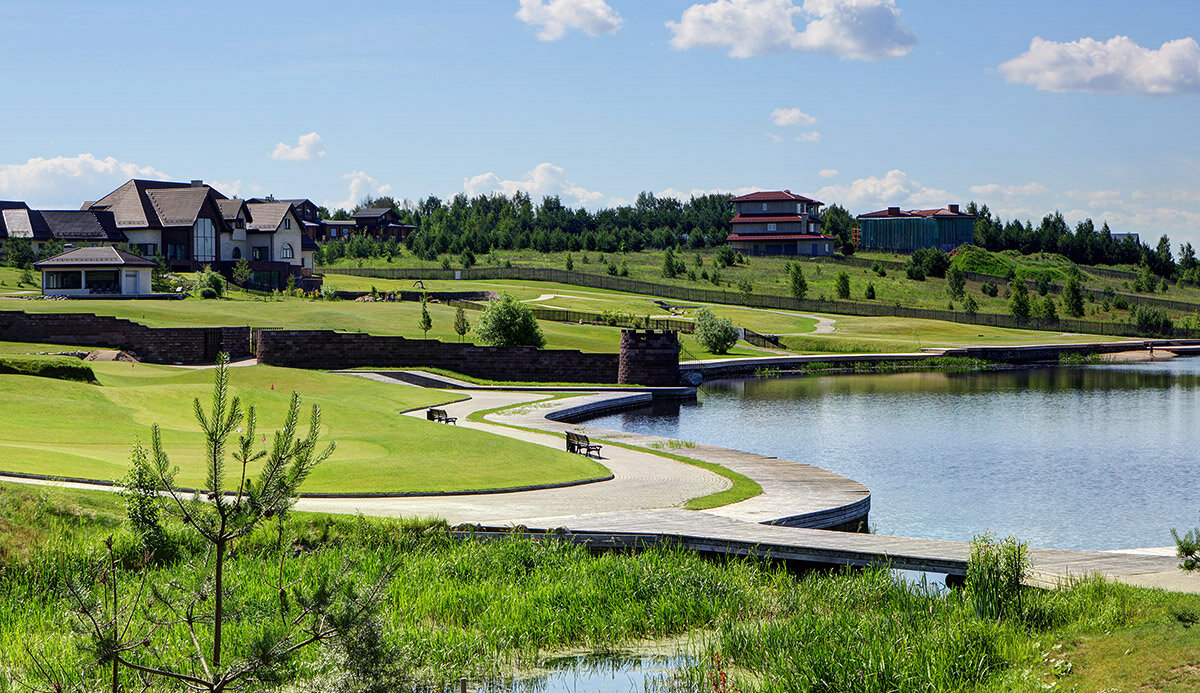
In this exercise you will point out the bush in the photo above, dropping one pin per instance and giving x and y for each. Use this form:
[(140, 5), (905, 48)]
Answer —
[(869, 294), (994, 575), (208, 292), (843, 285), (208, 279), (970, 307), (956, 282), (1019, 306), (715, 334), (1188, 549), (797, 284), (927, 262), (1120, 303), (1151, 320), (508, 322)]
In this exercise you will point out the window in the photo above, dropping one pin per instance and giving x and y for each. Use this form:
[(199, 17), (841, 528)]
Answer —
[(286, 252), (799, 208), (764, 207), (258, 254), (145, 249), (205, 237), (287, 223), (64, 280), (237, 253), (176, 251), (770, 227)]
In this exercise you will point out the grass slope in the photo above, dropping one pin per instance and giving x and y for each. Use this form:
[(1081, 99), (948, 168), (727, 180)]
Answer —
[(73, 429)]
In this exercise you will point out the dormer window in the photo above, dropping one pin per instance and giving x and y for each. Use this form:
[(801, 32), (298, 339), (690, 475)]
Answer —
[(770, 227), (764, 207), (287, 223)]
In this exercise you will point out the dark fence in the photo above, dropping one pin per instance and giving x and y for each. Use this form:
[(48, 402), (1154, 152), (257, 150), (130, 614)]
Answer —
[(686, 293)]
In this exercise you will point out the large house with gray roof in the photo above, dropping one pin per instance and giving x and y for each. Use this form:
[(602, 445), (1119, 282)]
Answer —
[(42, 228)]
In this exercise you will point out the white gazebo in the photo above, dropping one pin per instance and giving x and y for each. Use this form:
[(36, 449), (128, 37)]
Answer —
[(100, 271)]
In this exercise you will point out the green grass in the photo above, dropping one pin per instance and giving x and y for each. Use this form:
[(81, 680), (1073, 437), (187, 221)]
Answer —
[(60, 367), (10, 278), (70, 429), (742, 487), (489, 609)]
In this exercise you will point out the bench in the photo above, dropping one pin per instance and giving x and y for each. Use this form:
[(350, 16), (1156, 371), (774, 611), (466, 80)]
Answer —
[(579, 443), (439, 415)]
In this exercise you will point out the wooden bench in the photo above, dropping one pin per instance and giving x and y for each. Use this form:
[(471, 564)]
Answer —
[(439, 415), (579, 443)]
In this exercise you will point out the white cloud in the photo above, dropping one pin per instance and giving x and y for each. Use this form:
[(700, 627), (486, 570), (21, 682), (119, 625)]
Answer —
[(229, 188), (1116, 65), (62, 178), (854, 29), (997, 190), (773, 137), (812, 136), (700, 192), (791, 116), (545, 179), (892, 189), (308, 147), (593, 17), (828, 173), (361, 185)]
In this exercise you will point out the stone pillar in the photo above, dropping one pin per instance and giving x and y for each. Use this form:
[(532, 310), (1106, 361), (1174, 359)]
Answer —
[(649, 358)]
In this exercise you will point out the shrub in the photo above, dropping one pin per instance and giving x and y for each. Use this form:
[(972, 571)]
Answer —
[(445, 262), (724, 257), (1188, 549), (208, 279), (508, 322), (745, 288), (797, 284), (931, 262), (970, 307), (1073, 297), (1151, 320), (843, 285), (466, 258), (914, 272), (989, 289), (208, 292), (1019, 306), (956, 282), (715, 334), (571, 262), (1120, 303), (994, 575), (1043, 284), (869, 294)]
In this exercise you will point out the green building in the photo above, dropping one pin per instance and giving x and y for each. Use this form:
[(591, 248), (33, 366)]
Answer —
[(899, 231)]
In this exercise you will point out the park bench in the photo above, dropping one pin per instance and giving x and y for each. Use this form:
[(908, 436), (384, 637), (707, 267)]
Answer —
[(579, 443), (439, 415)]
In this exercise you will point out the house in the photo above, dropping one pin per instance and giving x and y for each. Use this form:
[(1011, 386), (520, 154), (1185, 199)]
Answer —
[(330, 229), (193, 224), (381, 223), (101, 270), (179, 221), (900, 231), (44, 227), (778, 222)]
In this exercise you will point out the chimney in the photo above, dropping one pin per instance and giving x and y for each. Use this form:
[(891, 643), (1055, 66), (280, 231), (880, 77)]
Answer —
[(954, 209), (197, 183), (893, 211)]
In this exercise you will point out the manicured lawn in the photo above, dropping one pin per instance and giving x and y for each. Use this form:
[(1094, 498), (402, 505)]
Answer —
[(79, 430), (10, 281)]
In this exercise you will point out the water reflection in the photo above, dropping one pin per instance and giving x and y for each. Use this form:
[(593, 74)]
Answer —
[(609, 673), (1094, 457)]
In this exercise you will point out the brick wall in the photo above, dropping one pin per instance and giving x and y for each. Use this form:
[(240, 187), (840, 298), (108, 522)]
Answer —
[(151, 344), (326, 349), (649, 358)]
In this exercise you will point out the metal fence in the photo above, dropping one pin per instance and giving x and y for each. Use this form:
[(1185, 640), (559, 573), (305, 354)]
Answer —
[(716, 295)]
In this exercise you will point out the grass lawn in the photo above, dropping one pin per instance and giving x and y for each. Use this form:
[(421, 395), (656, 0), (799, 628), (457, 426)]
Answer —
[(73, 429), (10, 282), (484, 609)]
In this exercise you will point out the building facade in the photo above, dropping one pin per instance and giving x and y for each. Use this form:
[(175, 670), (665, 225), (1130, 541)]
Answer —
[(778, 223), (96, 271), (896, 230)]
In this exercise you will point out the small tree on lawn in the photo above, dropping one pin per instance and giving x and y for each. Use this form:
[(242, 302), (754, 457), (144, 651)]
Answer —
[(1073, 297), (715, 334), (956, 283), (273, 621), (241, 273), (426, 322), (746, 289), (797, 284), (508, 322), (843, 285), (1019, 305), (461, 324)]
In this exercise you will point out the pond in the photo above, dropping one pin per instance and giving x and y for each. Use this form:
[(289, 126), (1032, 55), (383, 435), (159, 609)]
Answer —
[(1085, 457)]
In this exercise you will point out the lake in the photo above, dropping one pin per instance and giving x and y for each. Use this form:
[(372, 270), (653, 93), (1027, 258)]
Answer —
[(1083, 457)]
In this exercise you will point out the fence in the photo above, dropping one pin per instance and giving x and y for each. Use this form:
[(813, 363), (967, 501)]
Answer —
[(685, 293)]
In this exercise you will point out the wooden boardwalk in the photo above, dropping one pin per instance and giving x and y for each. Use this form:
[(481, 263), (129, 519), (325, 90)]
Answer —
[(713, 534)]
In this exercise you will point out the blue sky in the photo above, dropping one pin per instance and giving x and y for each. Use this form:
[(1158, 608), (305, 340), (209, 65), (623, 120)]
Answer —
[(1085, 107)]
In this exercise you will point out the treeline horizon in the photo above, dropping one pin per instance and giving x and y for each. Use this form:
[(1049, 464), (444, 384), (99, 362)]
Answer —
[(484, 223)]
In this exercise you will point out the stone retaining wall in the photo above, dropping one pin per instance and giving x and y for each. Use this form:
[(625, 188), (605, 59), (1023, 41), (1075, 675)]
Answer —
[(151, 344), (326, 349)]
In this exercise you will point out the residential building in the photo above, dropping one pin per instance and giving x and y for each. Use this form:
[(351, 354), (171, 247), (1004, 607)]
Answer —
[(103, 271), (894, 230), (44, 227), (778, 222), (381, 223)]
